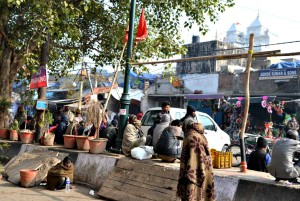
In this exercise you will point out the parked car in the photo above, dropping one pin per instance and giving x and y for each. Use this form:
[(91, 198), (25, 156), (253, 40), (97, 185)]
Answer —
[(217, 138)]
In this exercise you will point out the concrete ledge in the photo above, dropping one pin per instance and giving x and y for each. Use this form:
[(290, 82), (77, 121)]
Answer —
[(253, 191), (230, 184)]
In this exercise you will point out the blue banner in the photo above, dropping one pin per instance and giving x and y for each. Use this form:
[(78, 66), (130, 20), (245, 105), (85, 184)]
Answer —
[(278, 74)]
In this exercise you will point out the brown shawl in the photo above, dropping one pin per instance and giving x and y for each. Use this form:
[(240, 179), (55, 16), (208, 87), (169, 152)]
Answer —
[(57, 172), (196, 179)]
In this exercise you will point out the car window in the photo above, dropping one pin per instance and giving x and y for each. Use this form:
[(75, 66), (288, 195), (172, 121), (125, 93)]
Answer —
[(206, 122), (148, 118), (177, 115)]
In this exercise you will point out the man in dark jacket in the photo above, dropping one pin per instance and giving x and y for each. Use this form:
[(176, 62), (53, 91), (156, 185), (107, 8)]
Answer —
[(169, 146), (259, 159), (190, 114), (111, 133), (61, 130)]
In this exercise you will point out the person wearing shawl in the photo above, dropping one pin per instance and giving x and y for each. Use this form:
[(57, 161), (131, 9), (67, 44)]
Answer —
[(132, 136), (57, 175), (164, 123), (196, 178)]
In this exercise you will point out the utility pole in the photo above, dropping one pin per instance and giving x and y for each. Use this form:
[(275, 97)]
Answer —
[(125, 101), (42, 91)]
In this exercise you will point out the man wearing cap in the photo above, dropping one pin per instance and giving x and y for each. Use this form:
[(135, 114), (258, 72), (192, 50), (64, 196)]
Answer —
[(259, 159), (190, 115), (282, 166)]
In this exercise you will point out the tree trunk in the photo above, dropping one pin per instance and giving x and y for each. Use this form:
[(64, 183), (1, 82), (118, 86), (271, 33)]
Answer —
[(40, 130), (9, 65)]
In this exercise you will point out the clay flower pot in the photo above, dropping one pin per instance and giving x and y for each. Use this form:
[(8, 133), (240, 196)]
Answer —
[(49, 139), (13, 135), (4, 133), (83, 142), (69, 141), (97, 146), (26, 136), (27, 177)]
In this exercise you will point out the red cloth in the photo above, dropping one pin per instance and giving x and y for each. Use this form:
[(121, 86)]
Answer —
[(142, 31), (52, 129), (139, 116)]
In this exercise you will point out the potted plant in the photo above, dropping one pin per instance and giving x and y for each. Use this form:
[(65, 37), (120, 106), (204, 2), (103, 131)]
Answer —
[(27, 135), (94, 116), (48, 137), (14, 128), (69, 138), (4, 105)]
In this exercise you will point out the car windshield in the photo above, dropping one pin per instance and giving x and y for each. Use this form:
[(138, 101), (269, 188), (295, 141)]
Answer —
[(148, 118), (206, 122)]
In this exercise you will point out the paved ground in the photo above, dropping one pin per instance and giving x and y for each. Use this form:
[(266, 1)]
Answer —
[(11, 192)]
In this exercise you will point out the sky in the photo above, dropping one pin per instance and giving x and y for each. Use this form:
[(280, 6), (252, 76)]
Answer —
[(281, 17)]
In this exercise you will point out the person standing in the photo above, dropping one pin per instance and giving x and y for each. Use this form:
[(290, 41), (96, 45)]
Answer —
[(21, 116), (69, 113), (165, 109), (293, 123), (190, 115), (196, 178)]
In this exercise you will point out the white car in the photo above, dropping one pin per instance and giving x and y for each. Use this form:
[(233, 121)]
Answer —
[(217, 138)]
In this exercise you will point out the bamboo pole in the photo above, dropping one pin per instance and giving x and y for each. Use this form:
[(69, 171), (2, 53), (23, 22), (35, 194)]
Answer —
[(274, 53), (247, 103), (115, 78), (217, 57)]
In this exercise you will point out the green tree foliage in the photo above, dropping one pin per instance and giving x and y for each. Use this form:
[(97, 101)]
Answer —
[(95, 28)]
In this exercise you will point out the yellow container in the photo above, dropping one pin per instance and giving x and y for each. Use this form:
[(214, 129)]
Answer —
[(221, 159)]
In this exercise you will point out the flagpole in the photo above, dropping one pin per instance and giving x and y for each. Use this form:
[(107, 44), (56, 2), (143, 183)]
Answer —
[(125, 101)]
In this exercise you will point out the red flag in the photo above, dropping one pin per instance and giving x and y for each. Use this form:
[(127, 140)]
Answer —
[(142, 31)]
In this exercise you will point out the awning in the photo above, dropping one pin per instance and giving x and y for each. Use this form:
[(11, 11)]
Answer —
[(203, 96), (135, 94)]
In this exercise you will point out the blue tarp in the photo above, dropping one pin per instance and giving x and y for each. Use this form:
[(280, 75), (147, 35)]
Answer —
[(137, 81), (285, 65), (143, 76)]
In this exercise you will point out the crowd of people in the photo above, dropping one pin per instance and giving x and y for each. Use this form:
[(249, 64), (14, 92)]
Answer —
[(177, 139), (174, 139)]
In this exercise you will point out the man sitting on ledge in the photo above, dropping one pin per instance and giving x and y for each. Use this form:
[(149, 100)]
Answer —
[(282, 166)]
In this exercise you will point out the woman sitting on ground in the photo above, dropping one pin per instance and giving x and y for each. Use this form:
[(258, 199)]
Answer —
[(57, 175), (168, 146)]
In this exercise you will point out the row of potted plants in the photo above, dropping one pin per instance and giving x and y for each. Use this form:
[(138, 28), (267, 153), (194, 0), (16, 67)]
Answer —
[(92, 143)]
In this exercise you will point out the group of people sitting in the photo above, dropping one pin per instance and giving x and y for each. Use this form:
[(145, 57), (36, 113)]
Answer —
[(165, 135), (284, 165)]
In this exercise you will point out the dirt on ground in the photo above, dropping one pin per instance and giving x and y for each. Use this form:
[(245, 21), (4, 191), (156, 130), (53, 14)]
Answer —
[(12, 192)]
